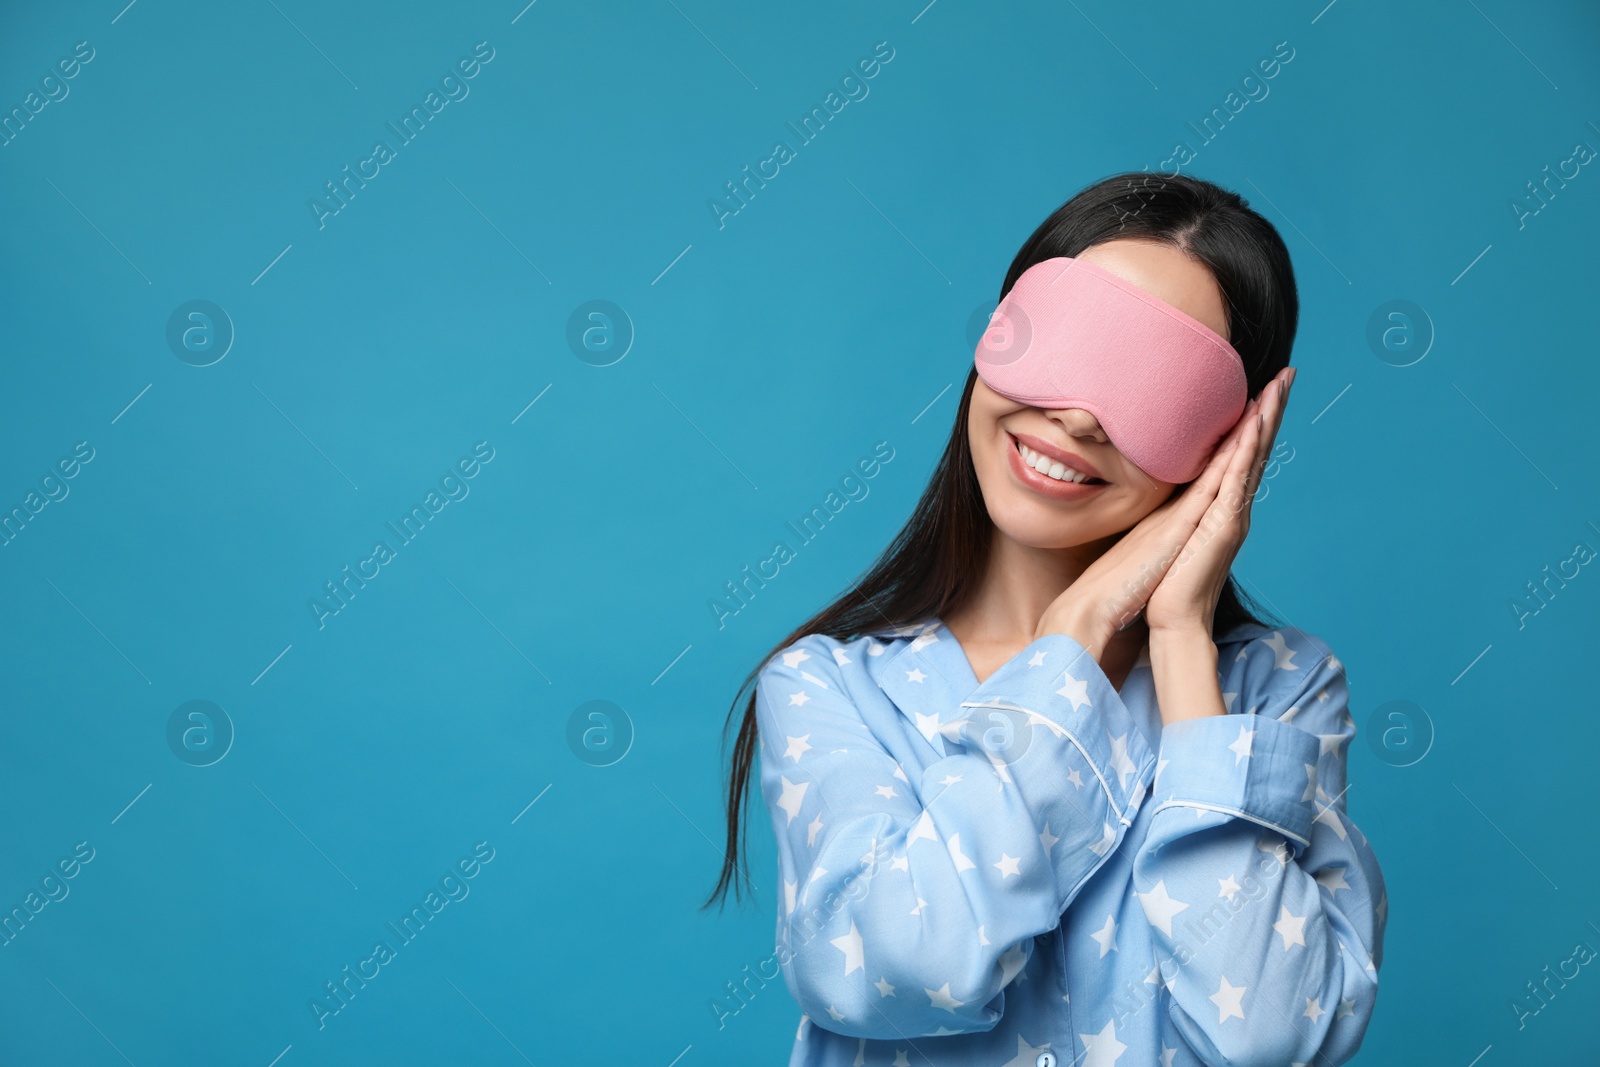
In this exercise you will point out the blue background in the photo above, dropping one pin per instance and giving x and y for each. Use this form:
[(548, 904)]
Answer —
[(832, 312)]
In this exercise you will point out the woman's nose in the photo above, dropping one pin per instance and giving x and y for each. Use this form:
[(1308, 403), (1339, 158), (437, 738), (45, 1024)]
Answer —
[(1079, 423)]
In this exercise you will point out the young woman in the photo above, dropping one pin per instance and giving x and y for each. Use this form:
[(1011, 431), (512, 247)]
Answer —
[(1045, 790)]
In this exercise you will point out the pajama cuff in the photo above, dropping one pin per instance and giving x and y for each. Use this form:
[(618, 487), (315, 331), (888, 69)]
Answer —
[(1056, 677), (1249, 766)]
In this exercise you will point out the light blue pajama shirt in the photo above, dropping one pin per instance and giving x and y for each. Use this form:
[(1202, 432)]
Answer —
[(1034, 871)]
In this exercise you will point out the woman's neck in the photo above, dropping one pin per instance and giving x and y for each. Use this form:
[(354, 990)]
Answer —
[(1018, 584)]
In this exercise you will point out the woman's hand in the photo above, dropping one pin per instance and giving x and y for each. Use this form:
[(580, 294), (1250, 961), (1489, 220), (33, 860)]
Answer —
[(1197, 524), (1186, 598)]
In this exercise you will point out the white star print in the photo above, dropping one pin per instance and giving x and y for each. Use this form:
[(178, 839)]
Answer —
[(1102, 1049), (1027, 1055), (1330, 744), (1159, 908), (1008, 866), (797, 747), (1037, 660), (811, 830), (1241, 745), (798, 700), (923, 829), (1161, 765), (792, 794), (1311, 782), (795, 658), (1106, 937), (1346, 1007), (814, 680), (850, 944), (789, 889), (838, 1016), (840, 658), (1328, 816), (1283, 655), (884, 988), (1047, 839), (1229, 1000), (941, 998), (900, 1059), (1291, 928), (1166, 1056), (928, 724), (920, 905), (1275, 846), (1313, 1009), (915, 675), (1075, 778), (962, 862), (950, 779), (1229, 887), (1076, 691), (1119, 758), (886, 792), (1108, 838)]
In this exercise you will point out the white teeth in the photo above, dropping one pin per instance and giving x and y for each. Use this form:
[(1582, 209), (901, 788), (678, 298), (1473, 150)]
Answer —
[(1048, 467)]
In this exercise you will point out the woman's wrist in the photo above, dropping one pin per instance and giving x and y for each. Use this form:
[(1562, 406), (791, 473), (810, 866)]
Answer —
[(1184, 666), (1077, 623)]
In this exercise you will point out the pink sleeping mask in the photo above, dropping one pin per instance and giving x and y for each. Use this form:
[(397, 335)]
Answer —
[(1165, 387)]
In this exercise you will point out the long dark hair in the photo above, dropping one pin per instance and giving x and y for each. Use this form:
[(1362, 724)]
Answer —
[(931, 567)]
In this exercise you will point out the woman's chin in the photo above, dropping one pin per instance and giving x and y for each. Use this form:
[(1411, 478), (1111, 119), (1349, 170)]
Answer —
[(1051, 531)]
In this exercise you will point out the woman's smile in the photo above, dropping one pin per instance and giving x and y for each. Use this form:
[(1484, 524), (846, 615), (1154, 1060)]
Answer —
[(1052, 471)]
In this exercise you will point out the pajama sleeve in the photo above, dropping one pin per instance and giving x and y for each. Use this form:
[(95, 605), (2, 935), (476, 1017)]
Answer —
[(1266, 903), (908, 904)]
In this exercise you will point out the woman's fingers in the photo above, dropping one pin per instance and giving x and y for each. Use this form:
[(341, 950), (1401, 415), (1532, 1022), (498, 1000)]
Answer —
[(1208, 519), (1234, 496), (1275, 398), (1189, 508)]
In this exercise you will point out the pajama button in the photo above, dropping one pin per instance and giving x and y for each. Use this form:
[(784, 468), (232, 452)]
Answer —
[(1046, 1059)]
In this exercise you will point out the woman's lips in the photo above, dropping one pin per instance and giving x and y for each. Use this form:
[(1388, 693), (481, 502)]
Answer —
[(1043, 483), (1059, 454)]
